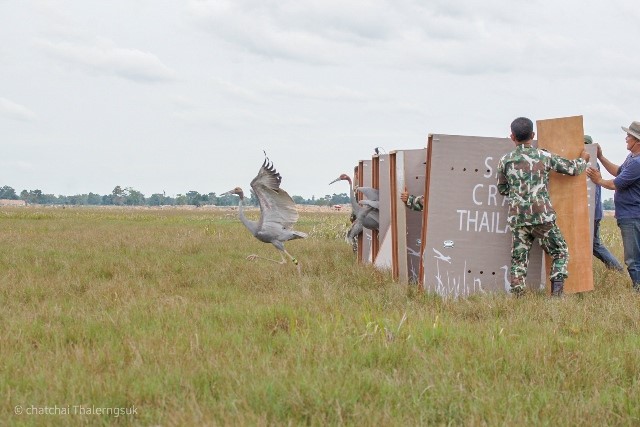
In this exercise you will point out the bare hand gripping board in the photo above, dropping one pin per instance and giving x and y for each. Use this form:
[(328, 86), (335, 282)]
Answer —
[(565, 137), (467, 242)]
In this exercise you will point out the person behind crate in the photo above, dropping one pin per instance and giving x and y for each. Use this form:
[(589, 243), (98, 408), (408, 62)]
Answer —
[(600, 251), (626, 185)]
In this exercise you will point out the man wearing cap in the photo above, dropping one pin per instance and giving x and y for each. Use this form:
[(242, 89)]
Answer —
[(523, 176), (600, 251), (626, 199)]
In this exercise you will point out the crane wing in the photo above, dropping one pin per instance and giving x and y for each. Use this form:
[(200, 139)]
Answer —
[(370, 193), (373, 203), (276, 206)]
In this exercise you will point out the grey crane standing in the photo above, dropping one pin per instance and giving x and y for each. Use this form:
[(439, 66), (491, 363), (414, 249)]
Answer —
[(365, 213), (277, 213)]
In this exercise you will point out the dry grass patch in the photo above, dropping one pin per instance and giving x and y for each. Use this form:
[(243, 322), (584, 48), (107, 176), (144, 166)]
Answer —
[(159, 310)]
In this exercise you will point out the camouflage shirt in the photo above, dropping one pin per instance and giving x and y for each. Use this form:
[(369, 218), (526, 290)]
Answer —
[(415, 203), (523, 175)]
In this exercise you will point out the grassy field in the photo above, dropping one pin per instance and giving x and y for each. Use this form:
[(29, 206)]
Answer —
[(158, 312)]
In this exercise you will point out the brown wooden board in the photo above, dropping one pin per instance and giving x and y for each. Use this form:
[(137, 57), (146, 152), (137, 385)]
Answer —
[(382, 255), (365, 238), (565, 137), (423, 231), (467, 241), (407, 168), (375, 183), (398, 220)]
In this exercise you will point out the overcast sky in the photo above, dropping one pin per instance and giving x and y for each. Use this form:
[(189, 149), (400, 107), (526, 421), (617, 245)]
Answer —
[(167, 95)]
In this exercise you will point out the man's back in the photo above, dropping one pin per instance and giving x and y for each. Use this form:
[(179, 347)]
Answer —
[(523, 176)]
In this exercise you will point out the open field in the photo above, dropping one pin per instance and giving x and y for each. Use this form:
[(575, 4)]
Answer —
[(158, 311)]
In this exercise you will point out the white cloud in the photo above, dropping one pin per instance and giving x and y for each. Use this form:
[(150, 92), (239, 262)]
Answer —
[(358, 33), (316, 32), (237, 118), (103, 57), (236, 91), (463, 37), (331, 93), (15, 111), (19, 165), (317, 83)]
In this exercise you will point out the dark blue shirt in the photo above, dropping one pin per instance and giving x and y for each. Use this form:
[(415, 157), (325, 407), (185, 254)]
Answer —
[(627, 195)]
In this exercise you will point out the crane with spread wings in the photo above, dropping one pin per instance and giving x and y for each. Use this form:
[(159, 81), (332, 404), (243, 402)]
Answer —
[(278, 213)]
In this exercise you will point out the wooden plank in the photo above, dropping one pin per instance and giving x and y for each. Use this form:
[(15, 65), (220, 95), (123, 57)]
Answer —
[(383, 257), (375, 183), (414, 171), (425, 212), (564, 137), (407, 169), (398, 218), (365, 238)]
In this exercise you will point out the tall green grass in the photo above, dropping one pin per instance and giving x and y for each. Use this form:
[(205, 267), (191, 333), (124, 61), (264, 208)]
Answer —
[(160, 311)]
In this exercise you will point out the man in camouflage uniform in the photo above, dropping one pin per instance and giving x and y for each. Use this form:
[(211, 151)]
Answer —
[(523, 176)]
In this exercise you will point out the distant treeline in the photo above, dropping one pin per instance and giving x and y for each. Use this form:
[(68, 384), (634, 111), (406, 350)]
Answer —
[(608, 205), (130, 197)]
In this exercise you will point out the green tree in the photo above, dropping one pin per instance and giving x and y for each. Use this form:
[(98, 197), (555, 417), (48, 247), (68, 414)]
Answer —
[(158, 199), (608, 205), (94, 199), (194, 198), (339, 199), (32, 196), (78, 199), (7, 192), (227, 200), (133, 197), (118, 196)]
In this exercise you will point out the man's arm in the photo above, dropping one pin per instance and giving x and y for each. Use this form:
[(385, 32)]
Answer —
[(570, 167), (611, 167), (596, 177), (503, 183), (415, 203)]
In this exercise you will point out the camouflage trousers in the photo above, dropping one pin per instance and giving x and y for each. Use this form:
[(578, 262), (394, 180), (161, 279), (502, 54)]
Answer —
[(552, 242)]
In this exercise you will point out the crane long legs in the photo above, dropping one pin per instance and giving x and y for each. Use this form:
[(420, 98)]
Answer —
[(254, 257)]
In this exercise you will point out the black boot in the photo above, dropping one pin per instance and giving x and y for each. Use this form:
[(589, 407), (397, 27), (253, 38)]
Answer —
[(557, 287)]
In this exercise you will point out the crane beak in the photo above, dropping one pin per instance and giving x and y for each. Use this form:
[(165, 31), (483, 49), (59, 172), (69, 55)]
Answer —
[(335, 180)]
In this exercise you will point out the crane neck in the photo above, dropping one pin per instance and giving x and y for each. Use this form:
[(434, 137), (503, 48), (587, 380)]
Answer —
[(352, 195), (251, 225)]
